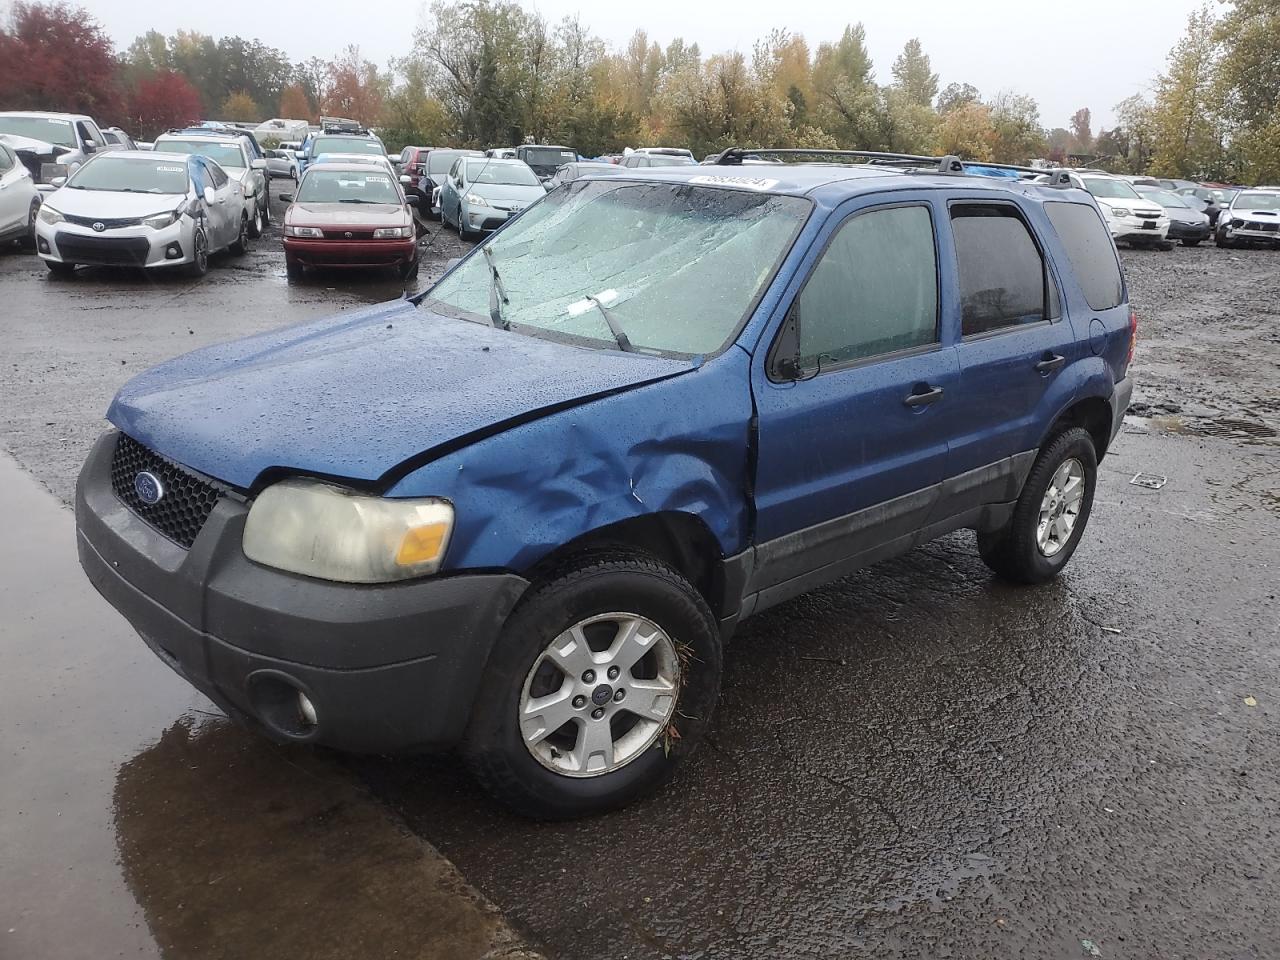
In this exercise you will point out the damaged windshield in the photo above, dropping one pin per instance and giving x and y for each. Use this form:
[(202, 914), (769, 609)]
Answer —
[(676, 266)]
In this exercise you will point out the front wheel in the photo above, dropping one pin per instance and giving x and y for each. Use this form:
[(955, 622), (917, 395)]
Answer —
[(1050, 515), (29, 241), (1221, 240), (408, 271), (199, 264), (256, 225), (603, 680), (463, 232)]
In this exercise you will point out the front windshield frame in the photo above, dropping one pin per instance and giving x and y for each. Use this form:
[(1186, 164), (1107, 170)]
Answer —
[(1119, 185), (805, 212), (475, 165), (39, 127), (370, 148), (105, 162), (199, 148), (315, 176), (1245, 200)]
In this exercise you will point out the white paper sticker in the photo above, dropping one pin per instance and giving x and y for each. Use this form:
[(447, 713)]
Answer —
[(747, 183)]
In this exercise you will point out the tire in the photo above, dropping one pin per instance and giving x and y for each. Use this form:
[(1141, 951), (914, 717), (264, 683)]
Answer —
[(240, 246), (293, 269), (199, 264), (266, 205), (1222, 241), (612, 587), (60, 268), (463, 232), (1014, 551), (256, 225), (408, 271), (29, 238)]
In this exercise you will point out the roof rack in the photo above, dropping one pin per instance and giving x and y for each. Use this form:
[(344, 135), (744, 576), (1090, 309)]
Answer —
[(909, 162), (341, 125)]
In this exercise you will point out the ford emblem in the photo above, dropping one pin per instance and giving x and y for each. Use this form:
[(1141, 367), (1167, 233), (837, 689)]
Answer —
[(99, 226), (148, 488)]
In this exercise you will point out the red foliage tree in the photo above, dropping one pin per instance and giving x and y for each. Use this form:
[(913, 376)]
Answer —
[(162, 100), (55, 57), (294, 104)]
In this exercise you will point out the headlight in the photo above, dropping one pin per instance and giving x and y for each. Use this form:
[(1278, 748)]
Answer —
[(332, 533), (392, 233), (477, 201), (161, 220), (50, 215), (303, 232), (1120, 212)]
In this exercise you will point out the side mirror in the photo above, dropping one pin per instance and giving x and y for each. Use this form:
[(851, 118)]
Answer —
[(209, 196), (285, 197), (299, 155), (90, 146), (258, 164), (407, 180), (57, 181)]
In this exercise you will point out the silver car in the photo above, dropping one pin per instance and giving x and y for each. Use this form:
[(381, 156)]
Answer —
[(233, 155), (281, 163), (481, 193), (19, 198), (1253, 217), (142, 209)]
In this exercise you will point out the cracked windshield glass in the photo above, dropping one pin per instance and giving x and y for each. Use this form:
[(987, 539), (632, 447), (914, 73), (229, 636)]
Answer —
[(675, 267)]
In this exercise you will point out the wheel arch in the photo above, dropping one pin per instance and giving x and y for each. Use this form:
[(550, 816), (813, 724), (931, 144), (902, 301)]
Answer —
[(1094, 414)]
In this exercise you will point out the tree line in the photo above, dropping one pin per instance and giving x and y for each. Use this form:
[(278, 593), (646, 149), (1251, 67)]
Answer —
[(486, 72)]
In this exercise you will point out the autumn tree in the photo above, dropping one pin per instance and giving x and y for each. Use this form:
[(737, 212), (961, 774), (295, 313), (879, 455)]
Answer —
[(56, 57), (239, 106), (957, 95), (1018, 134), (1082, 131), (294, 104), (160, 101), (914, 76), (968, 132), (356, 89)]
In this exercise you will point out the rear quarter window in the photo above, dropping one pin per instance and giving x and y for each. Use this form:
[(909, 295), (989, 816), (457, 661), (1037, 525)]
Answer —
[(1089, 248)]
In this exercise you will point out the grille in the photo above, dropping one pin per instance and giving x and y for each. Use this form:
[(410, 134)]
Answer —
[(107, 223), (78, 249), (353, 234), (188, 499), (1267, 227)]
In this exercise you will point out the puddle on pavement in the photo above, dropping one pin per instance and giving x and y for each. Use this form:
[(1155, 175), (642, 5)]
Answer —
[(1229, 428)]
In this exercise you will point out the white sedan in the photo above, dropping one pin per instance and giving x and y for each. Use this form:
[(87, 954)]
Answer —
[(141, 209), (19, 198)]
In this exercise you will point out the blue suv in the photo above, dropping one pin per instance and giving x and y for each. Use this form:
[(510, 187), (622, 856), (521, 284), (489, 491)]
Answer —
[(520, 514)]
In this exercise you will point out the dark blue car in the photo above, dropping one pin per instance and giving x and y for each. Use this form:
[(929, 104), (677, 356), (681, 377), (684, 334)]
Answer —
[(521, 513)]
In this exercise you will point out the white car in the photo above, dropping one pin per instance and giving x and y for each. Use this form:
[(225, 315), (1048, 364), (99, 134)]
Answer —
[(58, 142), (19, 198), (281, 163), (383, 162), (142, 209), (1253, 217), (230, 152), (1131, 217)]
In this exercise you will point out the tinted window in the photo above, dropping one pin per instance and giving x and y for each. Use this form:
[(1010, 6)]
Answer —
[(1093, 258), (217, 175), (1003, 281), (874, 291)]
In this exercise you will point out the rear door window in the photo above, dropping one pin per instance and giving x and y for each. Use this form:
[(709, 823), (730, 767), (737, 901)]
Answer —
[(1092, 254), (875, 290), (6, 159), (1003, 279)]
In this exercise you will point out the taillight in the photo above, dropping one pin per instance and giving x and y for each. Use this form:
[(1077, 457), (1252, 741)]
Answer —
[(1133, 335)]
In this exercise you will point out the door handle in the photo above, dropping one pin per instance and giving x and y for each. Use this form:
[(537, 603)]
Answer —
[(1050, 361), (922, 395)]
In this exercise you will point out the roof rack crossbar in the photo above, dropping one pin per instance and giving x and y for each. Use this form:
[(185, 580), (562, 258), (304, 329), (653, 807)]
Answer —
[(735, 155)]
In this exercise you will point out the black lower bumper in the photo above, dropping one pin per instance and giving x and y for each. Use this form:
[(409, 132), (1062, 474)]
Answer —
[(387, 668), (1189, 231)]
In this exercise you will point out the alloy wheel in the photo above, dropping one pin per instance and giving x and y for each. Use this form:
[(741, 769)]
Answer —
[(599, 695), (1060, 508)]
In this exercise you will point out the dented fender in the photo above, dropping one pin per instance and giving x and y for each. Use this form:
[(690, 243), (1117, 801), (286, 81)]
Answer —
[(680, 445)]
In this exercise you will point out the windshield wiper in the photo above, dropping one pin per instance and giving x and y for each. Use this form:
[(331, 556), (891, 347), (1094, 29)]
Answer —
[(497, 291), (357, 200), (624, 343)]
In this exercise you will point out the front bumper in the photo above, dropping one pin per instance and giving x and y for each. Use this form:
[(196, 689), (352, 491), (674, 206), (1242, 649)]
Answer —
[(390, 668), (1121, 397), (351, 253), (1138, 229), (487, 218), (1252, 235), (126, 246), (1181, 230)]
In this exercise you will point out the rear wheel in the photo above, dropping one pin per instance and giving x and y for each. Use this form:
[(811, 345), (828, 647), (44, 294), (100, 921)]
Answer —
[(60, 268), (603, 680), (1050, 515), (29, 241)]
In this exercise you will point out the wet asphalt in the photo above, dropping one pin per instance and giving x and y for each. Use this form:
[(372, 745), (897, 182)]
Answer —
[(918, 761)]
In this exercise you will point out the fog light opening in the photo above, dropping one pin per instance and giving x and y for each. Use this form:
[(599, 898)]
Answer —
[(306, 710), (173, 251), (42, 245), (282, 705)]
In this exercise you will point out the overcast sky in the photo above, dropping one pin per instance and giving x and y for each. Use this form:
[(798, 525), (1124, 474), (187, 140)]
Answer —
[(1090, 53)]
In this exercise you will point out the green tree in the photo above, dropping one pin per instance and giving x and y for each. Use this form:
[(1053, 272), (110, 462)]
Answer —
[(1186, 113), (914, 76), (1133, 134), (957, 95), (1018, 134), (968, 132), (239, 106), (1082, 131), (1248, 88), (845, 91)]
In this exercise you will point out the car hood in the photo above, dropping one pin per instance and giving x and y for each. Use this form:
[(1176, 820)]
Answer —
[(34, 146), (1244, 213), (508, 192), (347, 214), (1185, 215), (111, 205), (356, 395)]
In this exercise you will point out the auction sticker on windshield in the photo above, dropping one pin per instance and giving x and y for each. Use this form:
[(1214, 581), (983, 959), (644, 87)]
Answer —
[(747, 183)]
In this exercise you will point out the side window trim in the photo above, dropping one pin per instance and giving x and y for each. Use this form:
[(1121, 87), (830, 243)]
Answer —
[(786, 337), (1052, 295)]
